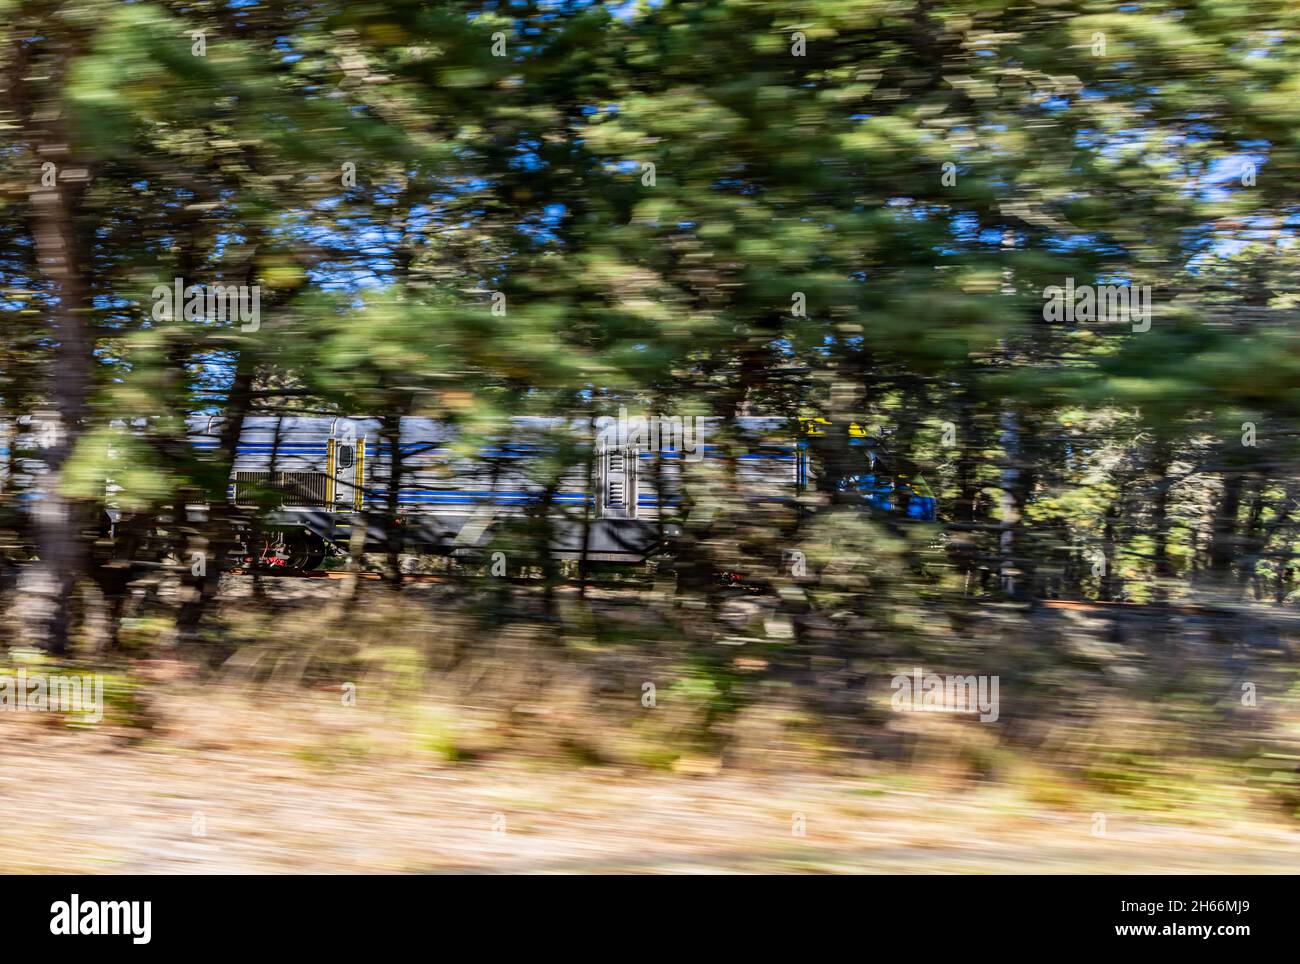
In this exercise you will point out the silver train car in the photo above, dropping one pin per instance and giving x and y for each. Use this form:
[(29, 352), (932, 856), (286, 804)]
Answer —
[(317, 477), (302, 484)]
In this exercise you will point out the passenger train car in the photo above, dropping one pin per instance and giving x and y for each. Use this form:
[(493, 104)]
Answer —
[(314, 478), (323, 474)]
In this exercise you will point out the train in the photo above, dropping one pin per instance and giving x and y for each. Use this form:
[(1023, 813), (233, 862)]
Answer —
[(310, 480)]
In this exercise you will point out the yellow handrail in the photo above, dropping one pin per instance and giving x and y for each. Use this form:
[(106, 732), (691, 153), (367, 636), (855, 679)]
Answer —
[(329, 473), (360, 495)]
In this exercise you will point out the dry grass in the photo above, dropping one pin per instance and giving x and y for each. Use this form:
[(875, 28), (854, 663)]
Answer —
[(301, 783), (501, 749)]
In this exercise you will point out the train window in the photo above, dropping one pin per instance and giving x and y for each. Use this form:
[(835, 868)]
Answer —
[(346, 455)]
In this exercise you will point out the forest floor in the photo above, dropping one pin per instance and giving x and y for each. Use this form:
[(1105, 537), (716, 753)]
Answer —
[(229, 786), (226, 777)]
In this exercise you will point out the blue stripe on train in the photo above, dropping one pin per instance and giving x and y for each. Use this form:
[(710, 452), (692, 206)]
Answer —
[(713, 453), (379, 493)]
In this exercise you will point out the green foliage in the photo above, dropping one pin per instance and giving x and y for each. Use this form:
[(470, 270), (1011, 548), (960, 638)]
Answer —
[(625, 209)]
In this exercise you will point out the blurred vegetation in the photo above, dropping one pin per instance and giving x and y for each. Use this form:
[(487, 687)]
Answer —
[(650, 186)]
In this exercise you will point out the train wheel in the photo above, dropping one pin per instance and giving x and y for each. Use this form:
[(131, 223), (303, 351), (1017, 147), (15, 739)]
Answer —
[(305, 552), (306, 558)]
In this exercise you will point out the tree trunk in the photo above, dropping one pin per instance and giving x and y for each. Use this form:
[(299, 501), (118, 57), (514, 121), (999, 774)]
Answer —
[(1223, 531), (1009, 438), (213, 538), (392, 435), (1252, 539), (60, 520), (1161, 459)]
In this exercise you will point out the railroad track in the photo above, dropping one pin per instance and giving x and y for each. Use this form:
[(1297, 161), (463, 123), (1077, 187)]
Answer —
[(1227, 608), (1092, 605), (282, 573), (335, 575), (1096, 607)]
